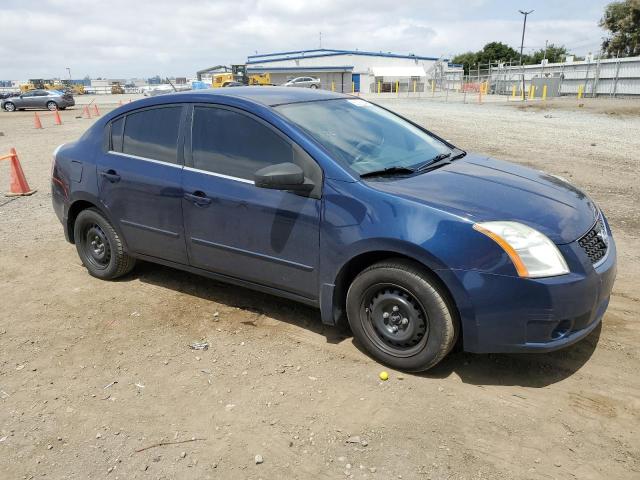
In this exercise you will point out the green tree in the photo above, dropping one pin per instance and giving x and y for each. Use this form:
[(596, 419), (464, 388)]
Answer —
[(622, 20), (491, 52), (466, 60), (553, 54)]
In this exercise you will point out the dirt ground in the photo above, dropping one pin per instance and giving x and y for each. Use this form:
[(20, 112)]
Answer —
[(91, 372)]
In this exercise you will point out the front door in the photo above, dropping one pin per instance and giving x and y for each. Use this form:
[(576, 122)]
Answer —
[(268, 237), (140, 181)]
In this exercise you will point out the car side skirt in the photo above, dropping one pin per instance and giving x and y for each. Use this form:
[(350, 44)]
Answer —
[(231, 280)]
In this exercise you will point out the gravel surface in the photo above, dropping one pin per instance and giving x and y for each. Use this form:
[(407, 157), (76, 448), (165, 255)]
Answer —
[(97, 379)]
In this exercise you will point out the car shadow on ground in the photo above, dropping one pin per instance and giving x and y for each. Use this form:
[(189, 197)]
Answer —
[(535, 370), (271, 306)]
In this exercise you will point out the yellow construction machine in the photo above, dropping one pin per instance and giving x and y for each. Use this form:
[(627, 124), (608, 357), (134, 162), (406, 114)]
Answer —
[(117, 88)]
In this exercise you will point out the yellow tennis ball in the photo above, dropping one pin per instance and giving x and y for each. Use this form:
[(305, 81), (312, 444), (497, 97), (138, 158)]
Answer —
[(384, 376)]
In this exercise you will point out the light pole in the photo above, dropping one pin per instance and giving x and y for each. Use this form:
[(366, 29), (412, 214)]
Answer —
[(524, 27), (69, 70)]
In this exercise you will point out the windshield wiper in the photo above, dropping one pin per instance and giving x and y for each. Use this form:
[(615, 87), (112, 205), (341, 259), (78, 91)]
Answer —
[(387, 171), (440, 160)]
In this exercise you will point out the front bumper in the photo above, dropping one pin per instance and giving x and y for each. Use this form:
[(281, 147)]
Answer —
[(510, 314)]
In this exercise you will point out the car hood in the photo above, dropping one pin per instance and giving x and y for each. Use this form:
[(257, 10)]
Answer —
[(483, 189)]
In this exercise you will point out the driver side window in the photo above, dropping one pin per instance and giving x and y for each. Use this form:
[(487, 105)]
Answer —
[(233, 144)]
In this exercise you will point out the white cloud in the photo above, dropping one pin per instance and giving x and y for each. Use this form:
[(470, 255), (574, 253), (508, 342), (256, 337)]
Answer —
[(143, 37)]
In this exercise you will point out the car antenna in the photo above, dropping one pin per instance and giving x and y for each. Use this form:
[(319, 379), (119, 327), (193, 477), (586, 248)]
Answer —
[(172, 85)]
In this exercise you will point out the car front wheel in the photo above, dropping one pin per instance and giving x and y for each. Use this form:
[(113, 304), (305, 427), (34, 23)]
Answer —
[(401, 316), (9, 107), (314, 86), (51, 105), (100, 247)]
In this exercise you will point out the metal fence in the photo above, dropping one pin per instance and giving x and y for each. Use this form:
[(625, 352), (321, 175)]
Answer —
[(590, 78)]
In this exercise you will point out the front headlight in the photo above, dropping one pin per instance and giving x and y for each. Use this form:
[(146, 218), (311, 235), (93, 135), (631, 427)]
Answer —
[(531, 252)]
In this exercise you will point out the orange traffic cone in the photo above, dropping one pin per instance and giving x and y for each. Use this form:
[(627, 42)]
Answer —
[(56, 117), (19, 185), (36, 120), (96, 112), (86, 113)]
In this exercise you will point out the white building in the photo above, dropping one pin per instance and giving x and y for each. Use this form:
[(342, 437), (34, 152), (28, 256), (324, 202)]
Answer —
[(351, 70)]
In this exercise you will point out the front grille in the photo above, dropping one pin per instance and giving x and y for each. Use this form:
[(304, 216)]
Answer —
[(595, 242)]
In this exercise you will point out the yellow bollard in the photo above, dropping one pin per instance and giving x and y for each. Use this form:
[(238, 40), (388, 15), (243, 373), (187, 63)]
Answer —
[(580, 87), (398, 86), (353, 87), (333, 86), (414, 86), (379, 86), (544, 93), (533, 92), (513, 92)]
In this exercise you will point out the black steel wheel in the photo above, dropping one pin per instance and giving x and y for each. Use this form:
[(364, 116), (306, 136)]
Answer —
[(96, 246), (394, 319), (99, 246), (401, 315)]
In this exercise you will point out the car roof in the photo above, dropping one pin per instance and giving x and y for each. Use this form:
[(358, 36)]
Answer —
[(265, 95)]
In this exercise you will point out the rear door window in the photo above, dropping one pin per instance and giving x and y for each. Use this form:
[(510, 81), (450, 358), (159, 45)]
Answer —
[(234, 144), (153, 134), (117, 133)]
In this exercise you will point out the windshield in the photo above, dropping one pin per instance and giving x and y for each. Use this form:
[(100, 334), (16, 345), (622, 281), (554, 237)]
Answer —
[(363, 136)]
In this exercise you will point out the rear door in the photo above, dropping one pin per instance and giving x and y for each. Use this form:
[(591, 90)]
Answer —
[(139, 177), (270, 237), (40, 99)]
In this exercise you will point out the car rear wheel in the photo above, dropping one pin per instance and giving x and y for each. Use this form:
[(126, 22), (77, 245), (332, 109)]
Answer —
[(100, 247), (9, 107), (51, 105), (401, 316), (314, 86)]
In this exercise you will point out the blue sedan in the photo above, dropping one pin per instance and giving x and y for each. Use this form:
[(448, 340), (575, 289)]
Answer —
[(335, 202)]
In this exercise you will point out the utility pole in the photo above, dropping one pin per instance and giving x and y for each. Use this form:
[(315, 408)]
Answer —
[(69, 70), (524, 27)]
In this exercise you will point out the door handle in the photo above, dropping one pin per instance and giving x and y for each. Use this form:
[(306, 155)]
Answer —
[(110, 175), (198, 197)]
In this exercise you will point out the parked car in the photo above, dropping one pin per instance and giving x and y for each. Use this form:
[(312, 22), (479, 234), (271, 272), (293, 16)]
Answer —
[(38, 99), (4, 95), (305, 82), (346, 206)]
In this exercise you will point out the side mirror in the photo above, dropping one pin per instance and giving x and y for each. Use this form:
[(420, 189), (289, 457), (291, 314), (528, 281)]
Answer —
[(283, 176)]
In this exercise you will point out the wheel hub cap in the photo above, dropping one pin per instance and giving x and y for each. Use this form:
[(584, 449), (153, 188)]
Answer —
[(397, 319), (97, 246)]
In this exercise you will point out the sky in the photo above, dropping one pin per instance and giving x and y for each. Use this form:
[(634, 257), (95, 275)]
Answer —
[(142, 38)]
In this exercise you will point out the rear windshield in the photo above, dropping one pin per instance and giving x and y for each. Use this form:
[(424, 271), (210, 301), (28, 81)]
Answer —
[(363, 136)]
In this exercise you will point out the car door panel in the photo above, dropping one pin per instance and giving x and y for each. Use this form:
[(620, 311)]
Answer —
[(144, 195), (264, 236), (270, 237)]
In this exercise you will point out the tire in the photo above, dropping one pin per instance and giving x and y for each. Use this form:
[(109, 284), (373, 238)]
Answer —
[(385, 296), (9, 107), (52, 106), (314, 86), (100, 247)]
